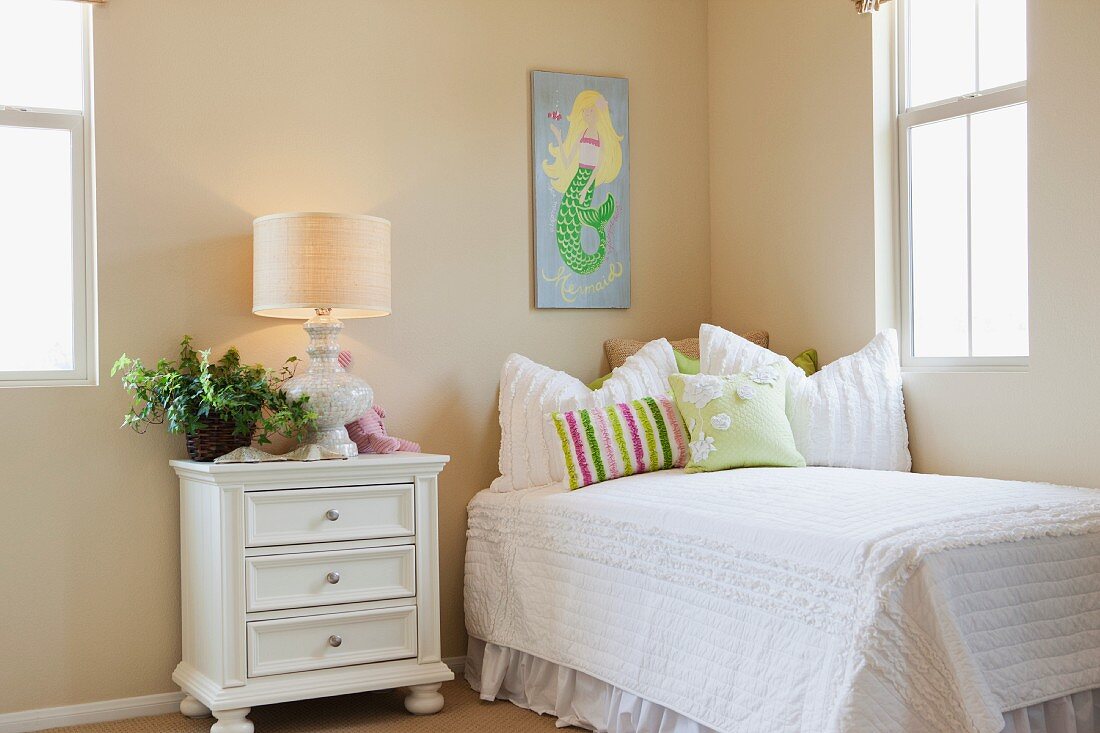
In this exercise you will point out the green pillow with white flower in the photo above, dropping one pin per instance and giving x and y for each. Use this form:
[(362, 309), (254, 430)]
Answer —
[(736, 421)]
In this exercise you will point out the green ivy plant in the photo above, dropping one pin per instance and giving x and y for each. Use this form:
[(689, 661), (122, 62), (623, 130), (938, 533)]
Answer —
[(189, 393)]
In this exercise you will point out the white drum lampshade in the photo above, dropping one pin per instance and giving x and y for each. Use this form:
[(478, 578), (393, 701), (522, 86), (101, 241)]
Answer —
[(323, 267)]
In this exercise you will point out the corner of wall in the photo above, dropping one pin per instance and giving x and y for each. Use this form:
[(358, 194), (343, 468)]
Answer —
[(708, 312), (886, 222), (710, 14)]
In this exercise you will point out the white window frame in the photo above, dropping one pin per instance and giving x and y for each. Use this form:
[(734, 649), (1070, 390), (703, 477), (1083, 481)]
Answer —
[(78, 123), (968, 104)]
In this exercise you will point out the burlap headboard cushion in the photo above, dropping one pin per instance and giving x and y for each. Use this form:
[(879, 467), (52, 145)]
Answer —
[(618, 350)]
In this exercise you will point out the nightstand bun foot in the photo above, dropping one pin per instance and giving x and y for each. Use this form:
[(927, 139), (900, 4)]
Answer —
[(424, 699), (192, 708), (232, 721)]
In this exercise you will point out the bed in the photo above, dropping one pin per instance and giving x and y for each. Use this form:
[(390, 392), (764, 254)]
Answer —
[(794, 599)]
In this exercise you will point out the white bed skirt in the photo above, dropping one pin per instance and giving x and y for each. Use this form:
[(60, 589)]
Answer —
[(575, 698)]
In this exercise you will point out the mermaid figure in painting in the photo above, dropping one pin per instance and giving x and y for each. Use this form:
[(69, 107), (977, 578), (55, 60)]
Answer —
[(590, 155)]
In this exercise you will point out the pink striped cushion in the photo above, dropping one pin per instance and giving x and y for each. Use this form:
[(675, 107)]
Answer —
[(620, 440)]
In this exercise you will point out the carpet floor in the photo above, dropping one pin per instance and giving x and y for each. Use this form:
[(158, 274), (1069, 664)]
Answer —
[(462, 713)]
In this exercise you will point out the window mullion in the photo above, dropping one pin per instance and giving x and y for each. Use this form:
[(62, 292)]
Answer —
[(46, 120), (79, 255), (904, 13), (969, 246), (1016, 94)]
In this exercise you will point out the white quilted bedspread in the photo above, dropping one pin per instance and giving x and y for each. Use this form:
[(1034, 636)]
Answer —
[(814, 599)]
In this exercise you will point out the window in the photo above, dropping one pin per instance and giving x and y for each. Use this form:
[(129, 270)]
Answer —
[(963, 162), (47, 278)]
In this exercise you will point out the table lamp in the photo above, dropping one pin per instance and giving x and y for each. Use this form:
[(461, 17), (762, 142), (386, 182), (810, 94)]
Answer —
[(323, 267)]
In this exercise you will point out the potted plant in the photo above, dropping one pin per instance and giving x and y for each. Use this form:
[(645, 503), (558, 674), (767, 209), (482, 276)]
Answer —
[(219, 406)]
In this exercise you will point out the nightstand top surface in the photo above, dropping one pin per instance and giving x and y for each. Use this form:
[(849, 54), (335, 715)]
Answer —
[(366, 460)]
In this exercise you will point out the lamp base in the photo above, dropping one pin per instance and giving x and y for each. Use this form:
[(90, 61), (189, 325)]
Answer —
[(335, 395), (335, 440)]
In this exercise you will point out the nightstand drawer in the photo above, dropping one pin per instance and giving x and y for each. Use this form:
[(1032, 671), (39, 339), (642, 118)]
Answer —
[(331, 640), (322, 578), (298, 516)]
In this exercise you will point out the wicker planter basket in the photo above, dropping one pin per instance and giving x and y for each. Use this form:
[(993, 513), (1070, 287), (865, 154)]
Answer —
[(216, 439)]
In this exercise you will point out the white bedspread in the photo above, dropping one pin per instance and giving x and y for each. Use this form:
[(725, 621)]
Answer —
[(809, 599)]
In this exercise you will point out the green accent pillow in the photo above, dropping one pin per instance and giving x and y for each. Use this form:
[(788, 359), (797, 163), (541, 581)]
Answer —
[(736, 421), (684, 363), (598, 382), (807, 362)]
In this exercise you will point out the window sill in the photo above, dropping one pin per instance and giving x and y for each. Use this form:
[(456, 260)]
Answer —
[(965, 369), (49, 382)]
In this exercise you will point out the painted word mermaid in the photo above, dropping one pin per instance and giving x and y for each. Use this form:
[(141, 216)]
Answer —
[(589, 156)]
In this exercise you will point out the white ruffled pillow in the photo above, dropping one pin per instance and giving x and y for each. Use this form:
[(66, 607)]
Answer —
[(530, 449), (851, 414)]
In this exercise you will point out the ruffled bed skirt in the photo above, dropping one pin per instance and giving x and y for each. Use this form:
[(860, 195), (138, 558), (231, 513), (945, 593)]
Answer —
[(498, 672)]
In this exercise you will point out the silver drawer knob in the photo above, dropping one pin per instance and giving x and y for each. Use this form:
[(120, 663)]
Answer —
[(333, 577), (335, 640), (332, 515)]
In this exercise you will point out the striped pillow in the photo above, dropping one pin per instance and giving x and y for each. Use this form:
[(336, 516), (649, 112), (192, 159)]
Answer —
[(620, 440)]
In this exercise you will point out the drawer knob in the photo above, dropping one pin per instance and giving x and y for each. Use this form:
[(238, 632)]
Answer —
[(335, 640), (332, 515), (333, 577)]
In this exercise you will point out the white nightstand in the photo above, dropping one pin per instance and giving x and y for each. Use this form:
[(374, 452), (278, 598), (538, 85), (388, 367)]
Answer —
[(304, 580)]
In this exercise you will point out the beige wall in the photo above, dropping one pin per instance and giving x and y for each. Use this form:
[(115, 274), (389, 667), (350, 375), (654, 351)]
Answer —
[(793, 227), (210, 113)]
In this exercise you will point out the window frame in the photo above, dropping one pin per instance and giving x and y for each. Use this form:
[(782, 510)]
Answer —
[(79, 123), (968, 104)]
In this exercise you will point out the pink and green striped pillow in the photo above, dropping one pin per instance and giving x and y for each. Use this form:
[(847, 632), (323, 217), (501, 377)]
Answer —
[(620, 440)]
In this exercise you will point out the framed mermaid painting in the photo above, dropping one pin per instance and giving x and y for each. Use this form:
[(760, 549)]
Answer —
[(581, 166)]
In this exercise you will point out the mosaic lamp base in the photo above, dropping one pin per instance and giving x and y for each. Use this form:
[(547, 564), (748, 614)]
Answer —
[(337, 396)]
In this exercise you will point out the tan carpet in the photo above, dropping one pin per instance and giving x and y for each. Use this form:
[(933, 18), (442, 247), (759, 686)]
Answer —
[(462, 713)]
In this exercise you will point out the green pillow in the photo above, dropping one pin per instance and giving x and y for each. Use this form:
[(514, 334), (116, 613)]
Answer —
[(736, 421), (597, 383), (684, 363), (807, 362)]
